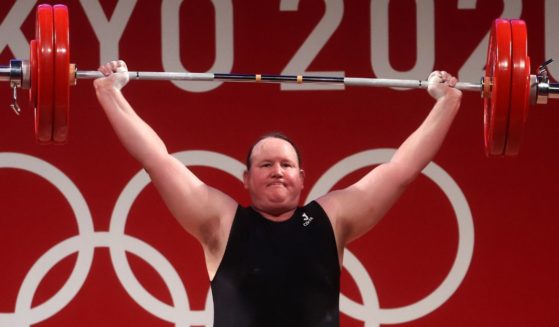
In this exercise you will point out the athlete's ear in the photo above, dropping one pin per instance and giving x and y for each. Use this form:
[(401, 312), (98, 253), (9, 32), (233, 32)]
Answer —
[(245, 179), (302, 174)]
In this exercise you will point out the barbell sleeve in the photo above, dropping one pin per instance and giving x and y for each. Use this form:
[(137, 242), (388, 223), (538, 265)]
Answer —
[(5, 73)]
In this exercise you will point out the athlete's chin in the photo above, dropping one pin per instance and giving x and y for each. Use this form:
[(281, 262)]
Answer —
[(278, 194), (276, 199)]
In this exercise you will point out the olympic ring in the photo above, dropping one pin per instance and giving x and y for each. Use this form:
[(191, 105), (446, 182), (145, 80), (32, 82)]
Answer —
[(119, 243)]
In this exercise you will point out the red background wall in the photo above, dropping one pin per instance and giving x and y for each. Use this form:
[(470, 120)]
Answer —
[(509, 272)]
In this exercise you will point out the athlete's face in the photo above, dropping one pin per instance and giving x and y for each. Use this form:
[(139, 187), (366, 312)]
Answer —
[(274, 180)]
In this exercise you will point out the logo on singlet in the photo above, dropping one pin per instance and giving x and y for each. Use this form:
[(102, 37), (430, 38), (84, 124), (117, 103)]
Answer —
[(306, 219)]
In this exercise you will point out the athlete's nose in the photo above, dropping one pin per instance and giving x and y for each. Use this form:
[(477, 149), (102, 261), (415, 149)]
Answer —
[(277, 170)]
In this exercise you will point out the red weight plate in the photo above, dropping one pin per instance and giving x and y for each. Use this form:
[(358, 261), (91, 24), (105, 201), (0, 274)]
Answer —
[(520, 87), (33, 73), (61, 74), (498, 70), (45, 65)]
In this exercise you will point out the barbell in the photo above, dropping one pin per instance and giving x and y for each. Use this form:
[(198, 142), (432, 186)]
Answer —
[(507, 87)]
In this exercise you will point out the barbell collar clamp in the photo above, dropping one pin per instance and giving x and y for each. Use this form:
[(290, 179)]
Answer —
[(547, 91), (17, 73)]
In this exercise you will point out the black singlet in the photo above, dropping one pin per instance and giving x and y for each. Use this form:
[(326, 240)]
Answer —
[(278, 274)]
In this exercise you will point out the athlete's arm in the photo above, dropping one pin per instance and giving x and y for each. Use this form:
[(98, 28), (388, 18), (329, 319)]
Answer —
[(202, 210), (357, 208)]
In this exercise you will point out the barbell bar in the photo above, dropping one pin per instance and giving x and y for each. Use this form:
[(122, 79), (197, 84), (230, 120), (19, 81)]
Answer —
[(350, 81), (507, 87)]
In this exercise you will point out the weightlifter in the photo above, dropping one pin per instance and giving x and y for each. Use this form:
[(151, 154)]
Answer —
[(276, 263)]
